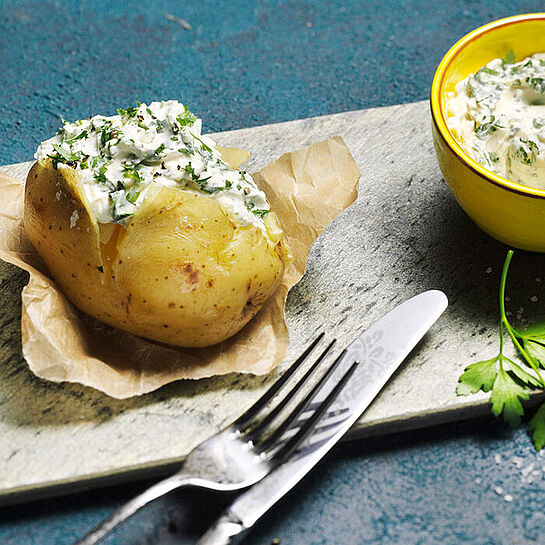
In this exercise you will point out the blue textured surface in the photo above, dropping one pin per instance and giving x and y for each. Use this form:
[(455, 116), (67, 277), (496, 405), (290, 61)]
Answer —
[(243, 64)]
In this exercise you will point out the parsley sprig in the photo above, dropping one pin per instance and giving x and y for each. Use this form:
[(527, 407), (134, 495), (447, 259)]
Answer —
[(509, 382)]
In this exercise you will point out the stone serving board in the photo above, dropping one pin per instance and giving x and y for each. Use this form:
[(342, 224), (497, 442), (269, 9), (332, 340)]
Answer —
[(405, 234)]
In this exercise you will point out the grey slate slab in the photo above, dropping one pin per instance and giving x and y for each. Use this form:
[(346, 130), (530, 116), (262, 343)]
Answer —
[(404, 234)]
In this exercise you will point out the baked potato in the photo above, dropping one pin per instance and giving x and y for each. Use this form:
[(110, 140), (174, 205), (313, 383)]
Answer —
[(178, 262)]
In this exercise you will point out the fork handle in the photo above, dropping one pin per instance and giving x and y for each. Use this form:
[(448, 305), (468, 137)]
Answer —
[(130, 508)]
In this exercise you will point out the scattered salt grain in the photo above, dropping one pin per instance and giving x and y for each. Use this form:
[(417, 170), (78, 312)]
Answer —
[(517, 461), (489, 270), (507, 299), (497, 459), (478, 480), (538, 279), (533, 298), (508, 497), (498, 490)]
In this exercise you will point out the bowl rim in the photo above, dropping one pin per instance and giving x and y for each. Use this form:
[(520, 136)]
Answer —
[(438, 114)]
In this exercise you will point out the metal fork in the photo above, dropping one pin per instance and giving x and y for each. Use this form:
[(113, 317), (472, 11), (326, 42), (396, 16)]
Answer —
[(247, 450)]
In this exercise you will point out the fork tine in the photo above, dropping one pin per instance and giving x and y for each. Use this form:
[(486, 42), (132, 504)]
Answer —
[(276, 436), (258, 429), (295, 441), (243, 420)]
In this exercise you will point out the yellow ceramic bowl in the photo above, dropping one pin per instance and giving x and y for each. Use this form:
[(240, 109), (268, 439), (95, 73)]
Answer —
[(508, 211)]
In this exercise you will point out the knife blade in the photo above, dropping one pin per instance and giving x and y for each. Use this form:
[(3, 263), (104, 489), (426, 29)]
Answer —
[(379, 350)]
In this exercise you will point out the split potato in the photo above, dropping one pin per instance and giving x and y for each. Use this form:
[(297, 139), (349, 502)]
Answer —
[(180, 272)]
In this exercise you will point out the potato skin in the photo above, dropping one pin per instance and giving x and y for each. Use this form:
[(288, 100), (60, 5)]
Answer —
[(181, 272)]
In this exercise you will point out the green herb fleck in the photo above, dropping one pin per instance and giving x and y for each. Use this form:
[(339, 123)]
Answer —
[(486, 70), (538, 84), (508, 59), (66, 155), (129, 112), (487, 126), (82, 134), (101, 178), (186, 118), (527, 151), (204, 146), (130, 171)]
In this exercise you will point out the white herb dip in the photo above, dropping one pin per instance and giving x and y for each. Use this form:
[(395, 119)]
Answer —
[(498, 116), (119, 157)]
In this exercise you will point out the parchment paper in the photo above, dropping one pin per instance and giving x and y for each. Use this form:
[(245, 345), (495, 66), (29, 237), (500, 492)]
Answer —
[(307, 189)]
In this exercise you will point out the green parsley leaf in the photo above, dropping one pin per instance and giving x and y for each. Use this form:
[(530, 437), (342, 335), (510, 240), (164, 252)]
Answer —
[(132, 194), (536, 349), (486, 70), (204, 146), (537, 427), (129, 112), (82, 134), (511, 382), (538, 84), (130, 171), (186, 118), (101, 178), (478, 376), (505, 398), (518, 372), (509, 58), (65, 155), (159, 125)]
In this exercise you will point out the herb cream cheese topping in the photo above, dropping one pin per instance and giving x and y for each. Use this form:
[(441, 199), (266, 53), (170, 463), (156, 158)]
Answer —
[(498, 116), (119, 157)]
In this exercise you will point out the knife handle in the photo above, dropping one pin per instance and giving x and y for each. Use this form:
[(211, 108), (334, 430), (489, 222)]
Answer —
[(225, 531)]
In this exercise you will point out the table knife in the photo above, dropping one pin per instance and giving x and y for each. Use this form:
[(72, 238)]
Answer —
[(379, 350)]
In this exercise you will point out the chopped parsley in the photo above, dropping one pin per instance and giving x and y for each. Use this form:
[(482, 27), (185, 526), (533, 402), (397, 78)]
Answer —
[(487, 126), (129, 112), (508, 59), (186, 118), (204, 146), (260, 213), (536, 83), (527, 151), (114, 154), (82, 134), (101, 178)]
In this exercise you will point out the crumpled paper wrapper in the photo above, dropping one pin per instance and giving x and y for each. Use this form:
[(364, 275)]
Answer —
[(307, 189)]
